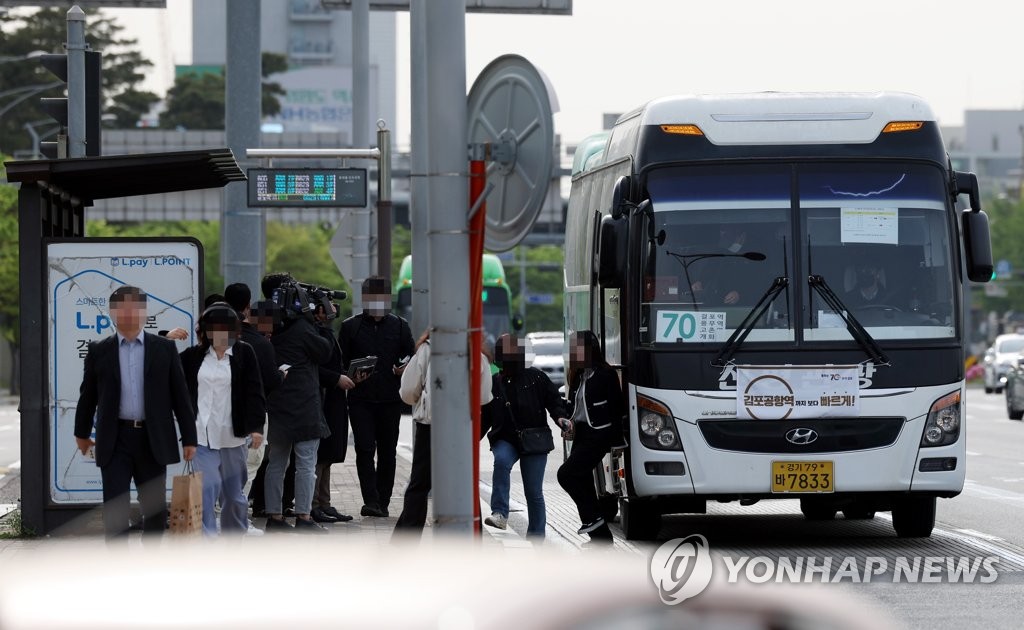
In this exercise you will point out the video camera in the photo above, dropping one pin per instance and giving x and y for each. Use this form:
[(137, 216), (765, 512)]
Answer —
[(298, 299)]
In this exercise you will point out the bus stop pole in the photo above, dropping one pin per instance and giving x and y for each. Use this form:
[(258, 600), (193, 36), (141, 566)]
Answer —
[(418, 194), (451, 431), (477, 225), (361, 249)]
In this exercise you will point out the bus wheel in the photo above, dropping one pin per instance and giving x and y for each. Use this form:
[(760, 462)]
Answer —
[(817, 511), (640, 519), (609, 507), (914, 517)]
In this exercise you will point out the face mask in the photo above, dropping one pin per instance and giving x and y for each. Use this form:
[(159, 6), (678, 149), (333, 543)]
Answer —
[(735, 247), (376, 307)]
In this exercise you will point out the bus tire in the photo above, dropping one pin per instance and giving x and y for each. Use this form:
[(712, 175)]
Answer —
[(609, 507), (640, 519), (1014, 414), (914, 517), (817, 511)]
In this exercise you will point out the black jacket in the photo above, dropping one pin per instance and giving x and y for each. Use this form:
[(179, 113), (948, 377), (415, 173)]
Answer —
[(335, 403), (248, 405), (606, 406), (528, 393), (294, 408), (164, 391), (269, 373), (390, 340)]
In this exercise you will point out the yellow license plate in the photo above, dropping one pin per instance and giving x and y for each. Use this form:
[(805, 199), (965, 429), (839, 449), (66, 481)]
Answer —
[(802, 477)]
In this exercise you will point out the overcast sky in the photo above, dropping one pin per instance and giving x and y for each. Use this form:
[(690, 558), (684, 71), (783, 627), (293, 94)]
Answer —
[(612, 55)]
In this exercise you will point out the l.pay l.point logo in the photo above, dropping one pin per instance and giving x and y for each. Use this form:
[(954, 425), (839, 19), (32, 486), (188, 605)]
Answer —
[(681, 568)]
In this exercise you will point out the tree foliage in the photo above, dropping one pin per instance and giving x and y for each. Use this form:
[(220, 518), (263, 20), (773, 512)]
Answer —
[(546, 278), (23, 33), (196, 100)]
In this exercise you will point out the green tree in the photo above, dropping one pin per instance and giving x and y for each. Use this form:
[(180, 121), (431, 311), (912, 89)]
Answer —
[(10, 305), (196, 100), (23, 33), (543, 275)]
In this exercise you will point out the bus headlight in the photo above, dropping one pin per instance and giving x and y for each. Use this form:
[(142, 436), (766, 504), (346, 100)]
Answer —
[(943, 424), (657, 426), (651, 423)]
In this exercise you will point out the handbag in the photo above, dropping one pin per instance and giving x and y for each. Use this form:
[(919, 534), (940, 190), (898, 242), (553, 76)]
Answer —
[(536, 441), (187, 502), (532, 440)]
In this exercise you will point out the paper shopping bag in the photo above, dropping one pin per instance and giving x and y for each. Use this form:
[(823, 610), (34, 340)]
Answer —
[(187, 502)]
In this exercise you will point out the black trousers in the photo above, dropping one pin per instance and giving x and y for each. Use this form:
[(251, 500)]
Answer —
[(375, 431), (414, 511), (133, 460), (576, 475), (256, 490)]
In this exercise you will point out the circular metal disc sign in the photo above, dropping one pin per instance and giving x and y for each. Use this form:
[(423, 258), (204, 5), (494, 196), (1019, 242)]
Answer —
[(511, 106)]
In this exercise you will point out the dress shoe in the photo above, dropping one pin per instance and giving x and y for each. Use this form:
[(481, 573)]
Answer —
[(320, 516), (310, 526), (277, 525), (330, 510), (372, 510)]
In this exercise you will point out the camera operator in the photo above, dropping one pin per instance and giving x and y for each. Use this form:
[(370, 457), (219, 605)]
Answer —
[(296, 418), (374, 405)]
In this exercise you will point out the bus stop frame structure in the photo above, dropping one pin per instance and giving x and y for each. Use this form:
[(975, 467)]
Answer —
[(51, 204)]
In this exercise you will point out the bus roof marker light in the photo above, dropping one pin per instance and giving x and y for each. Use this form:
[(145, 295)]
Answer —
[(902, 125), (683, 130)]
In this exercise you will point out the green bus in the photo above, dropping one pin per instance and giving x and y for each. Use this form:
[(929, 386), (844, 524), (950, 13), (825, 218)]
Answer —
[(497, 298)]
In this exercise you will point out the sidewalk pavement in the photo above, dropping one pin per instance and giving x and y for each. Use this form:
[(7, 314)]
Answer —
[(562, 518)]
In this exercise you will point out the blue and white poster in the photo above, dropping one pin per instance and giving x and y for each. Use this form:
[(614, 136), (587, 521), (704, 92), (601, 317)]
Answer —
[(81, 276)]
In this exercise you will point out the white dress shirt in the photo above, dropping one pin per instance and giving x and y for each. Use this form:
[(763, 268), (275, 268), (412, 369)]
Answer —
[(214, 419)]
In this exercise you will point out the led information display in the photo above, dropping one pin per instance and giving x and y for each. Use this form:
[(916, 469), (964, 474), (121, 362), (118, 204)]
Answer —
[(330, 187)]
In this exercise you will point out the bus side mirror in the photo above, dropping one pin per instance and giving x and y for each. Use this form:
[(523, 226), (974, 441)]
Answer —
[(611, 266), (967, 184), (977, 245), (517, 322), (620, 196)]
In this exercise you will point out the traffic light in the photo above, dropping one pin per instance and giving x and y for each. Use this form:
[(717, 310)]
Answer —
[(57, 108)]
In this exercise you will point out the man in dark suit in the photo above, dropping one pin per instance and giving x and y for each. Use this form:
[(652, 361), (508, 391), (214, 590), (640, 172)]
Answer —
[(132, 382)]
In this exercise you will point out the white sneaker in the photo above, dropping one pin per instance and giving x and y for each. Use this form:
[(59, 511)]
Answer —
[(496, 520), (254, 531)]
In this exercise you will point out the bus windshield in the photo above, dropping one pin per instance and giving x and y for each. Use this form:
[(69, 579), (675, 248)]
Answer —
[(878, 234)]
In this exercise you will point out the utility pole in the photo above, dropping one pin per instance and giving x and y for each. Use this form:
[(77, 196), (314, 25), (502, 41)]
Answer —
[(361, 140), (243, 229), (419, 201), (76, 82)]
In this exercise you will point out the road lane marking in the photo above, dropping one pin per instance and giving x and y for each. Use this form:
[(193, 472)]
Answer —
[(983, 535), (976, 454)]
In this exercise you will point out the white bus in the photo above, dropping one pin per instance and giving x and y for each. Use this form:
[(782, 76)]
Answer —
[(780, 279)]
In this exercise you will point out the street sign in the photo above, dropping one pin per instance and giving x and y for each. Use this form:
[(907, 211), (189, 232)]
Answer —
[(545, 299), (1004, 269), (995, 290)]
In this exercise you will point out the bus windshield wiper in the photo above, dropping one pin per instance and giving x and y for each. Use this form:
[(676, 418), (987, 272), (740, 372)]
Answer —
[(747, 325), (857, 331)]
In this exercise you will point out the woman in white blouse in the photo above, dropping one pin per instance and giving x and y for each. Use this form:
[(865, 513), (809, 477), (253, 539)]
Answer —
[(227, 393)]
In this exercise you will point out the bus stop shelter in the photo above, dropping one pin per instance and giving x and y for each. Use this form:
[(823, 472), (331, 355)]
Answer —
[(52, 204)]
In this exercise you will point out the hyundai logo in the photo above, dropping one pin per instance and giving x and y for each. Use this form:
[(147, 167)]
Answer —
[(801, 437)]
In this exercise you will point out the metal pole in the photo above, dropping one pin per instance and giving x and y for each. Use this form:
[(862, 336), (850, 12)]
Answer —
[(418, 195), (241, 226), (452, 433), (76, 82), (522, 283), (384, 201), (361, 139)]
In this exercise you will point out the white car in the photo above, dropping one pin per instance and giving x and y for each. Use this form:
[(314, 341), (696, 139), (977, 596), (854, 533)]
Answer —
[(549, 354), (998, 360)]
